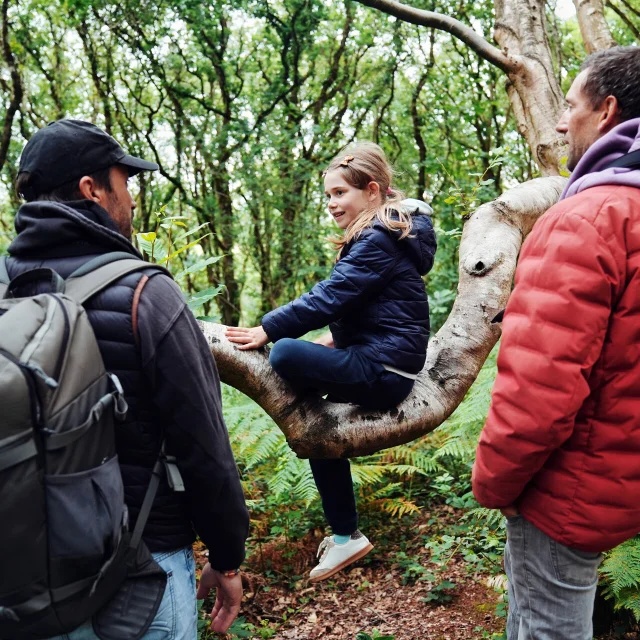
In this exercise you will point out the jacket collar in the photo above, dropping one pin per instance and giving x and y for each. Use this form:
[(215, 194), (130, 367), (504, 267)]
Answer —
[(591, 171), (57, 230)]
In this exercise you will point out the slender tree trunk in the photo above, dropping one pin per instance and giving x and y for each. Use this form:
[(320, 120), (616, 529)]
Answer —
[(489, 249), (593, 27), (229, 299), (16, 85)]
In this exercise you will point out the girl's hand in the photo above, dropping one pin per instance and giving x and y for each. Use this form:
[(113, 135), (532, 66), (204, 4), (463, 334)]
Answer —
[(326, 340), (252, 338)]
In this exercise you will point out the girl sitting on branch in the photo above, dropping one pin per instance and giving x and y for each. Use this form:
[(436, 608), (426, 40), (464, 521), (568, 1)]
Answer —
[(377, 309)]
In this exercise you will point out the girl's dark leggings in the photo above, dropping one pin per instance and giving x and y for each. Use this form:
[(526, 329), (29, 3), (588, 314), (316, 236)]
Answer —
[(346, 377)]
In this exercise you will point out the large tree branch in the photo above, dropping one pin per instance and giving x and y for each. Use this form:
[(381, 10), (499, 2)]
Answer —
[(314, 427), (445, 23)]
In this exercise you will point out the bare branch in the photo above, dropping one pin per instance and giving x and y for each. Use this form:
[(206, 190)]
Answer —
[(445, 23), (623, 16)]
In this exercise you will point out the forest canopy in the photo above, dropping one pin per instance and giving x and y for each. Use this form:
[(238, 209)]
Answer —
[(243, 103)]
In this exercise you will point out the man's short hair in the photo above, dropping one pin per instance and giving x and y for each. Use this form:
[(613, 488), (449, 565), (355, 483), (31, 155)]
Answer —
[(67, 192), (614, 72)]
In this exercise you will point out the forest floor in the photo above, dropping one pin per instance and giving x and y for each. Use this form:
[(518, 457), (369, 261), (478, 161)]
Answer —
[(399, 592)]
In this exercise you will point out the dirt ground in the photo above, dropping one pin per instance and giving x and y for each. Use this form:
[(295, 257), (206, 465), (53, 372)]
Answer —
[(375, 599)]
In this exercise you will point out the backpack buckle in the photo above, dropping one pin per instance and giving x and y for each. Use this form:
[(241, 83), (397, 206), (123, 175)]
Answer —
[(174, 478), (120, 406)]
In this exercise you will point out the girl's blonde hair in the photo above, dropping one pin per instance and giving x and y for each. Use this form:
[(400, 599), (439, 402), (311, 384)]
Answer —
[(360, 164)]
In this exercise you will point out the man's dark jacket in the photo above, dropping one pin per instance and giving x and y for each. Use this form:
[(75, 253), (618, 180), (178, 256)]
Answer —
[(169, 378)]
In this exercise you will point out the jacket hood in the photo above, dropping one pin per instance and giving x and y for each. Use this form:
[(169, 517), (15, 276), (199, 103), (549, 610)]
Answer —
[(591, 171), (420, 245), (55, 230)]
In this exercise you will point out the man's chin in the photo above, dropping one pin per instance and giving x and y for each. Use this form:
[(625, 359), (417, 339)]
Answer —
[(572, 162)]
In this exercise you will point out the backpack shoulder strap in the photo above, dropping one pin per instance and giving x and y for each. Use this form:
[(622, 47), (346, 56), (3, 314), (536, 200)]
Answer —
[(100, 272), (629, 161), (4, 276)]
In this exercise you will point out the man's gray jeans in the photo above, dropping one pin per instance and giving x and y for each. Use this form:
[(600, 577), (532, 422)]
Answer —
[(551, 587)]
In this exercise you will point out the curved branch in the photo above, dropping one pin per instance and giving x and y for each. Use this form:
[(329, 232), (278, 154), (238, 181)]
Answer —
[(316, 428), (445, 23)]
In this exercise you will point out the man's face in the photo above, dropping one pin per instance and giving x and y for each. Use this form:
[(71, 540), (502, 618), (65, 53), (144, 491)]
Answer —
[(119, 203), (580, 122)]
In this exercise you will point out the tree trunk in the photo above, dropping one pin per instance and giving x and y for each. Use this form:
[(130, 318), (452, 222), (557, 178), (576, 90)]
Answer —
[(593, 27), (314, 427), (532, 87), (16, 86)]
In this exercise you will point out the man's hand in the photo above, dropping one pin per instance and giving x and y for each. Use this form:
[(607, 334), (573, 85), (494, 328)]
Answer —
[(249, 338), (326, 340), (510, 511), (228, 597)]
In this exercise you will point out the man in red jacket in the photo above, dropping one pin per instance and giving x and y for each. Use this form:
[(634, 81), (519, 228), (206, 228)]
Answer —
[(560, 451)]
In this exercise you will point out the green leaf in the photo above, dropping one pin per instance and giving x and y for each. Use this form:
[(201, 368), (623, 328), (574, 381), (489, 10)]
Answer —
[(185, 248), (190, 232), (450, 200), (196, 300), (201, 265), (209, 318), (150, 236)]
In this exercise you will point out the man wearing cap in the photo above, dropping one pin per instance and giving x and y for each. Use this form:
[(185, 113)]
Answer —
[(74, 177)]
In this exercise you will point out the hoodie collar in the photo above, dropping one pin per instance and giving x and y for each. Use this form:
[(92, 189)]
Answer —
[(57, 230), (591, 171)]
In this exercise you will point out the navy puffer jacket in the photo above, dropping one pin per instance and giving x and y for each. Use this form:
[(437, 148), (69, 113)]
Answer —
[(375, 300)]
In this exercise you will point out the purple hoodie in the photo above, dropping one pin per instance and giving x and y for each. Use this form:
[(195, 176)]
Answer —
[(590, 171)]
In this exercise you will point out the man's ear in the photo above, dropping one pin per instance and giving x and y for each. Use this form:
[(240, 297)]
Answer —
[(87, 188), (609, 115), (91, 191), (374, 190)]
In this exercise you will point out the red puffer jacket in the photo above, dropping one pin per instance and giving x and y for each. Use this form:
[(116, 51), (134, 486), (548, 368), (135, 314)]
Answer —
[(562, 439)]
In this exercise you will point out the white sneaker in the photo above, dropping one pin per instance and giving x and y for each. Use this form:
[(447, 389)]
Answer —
[(334, 557)]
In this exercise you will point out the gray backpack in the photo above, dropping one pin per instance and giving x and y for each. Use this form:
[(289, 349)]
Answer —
[(65, 546)]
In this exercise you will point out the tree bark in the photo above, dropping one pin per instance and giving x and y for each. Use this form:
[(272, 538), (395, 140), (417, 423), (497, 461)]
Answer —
[(534, 92), (524, 56), (16, 86), (314, 427), (593, 27)]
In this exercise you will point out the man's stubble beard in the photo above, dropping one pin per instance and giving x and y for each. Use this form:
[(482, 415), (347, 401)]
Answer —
[(121, 216)]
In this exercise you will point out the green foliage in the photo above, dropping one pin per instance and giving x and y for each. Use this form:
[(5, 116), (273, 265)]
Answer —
[(621, 569), (440, 592), (375, 635), (169, 244)]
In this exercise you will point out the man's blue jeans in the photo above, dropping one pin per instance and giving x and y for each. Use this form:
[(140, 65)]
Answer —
[(551, 587), (177, 616)]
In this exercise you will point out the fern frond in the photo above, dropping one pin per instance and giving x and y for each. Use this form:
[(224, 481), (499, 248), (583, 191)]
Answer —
[(622, 567), (397, 506)]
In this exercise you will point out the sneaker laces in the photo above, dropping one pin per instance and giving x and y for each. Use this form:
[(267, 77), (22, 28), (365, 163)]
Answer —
[(324, 547)]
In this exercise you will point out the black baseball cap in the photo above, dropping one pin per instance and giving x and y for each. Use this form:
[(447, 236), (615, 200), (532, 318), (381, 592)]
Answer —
[(68, 149)]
